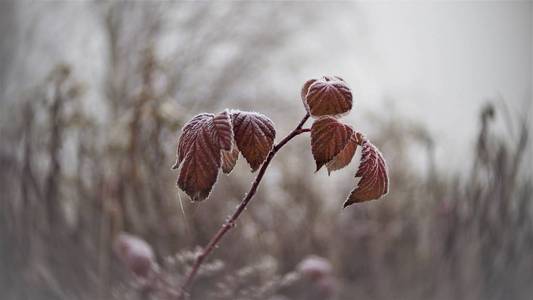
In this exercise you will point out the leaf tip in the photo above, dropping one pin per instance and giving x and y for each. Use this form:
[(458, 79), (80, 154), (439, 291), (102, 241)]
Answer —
[(200, 195), (347, 203), (175, 165)]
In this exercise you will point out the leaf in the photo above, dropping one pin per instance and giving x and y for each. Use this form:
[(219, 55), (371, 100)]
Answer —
[(223, 131), (254, 135), (188, 133), (328, 138), (329, 95), (373, 171), (305, 88), (229, 159), (344, 157), (198, 157)]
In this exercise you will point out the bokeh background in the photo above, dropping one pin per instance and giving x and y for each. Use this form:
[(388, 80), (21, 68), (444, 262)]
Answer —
[(93, 95)]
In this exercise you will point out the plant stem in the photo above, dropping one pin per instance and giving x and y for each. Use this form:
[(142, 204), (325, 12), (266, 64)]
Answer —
[(230, 223)]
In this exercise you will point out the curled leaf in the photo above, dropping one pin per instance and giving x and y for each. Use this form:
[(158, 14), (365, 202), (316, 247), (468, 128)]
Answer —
[(198, 157), (344, 157), (222, 130), (327, 96), (229, 159), (254, 136), (374, 182), (328, 138)]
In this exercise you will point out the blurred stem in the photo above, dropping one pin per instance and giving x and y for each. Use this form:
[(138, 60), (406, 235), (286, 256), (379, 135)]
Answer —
[(230, 223)]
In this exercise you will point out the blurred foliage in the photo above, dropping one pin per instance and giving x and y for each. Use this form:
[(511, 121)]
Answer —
[(72, 177)]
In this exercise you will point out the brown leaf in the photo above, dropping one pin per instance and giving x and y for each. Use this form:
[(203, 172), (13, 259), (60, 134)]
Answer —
[(188, 132), (328, 138), (254, 135), (344, 157), (329, 95), (305, 88), (198, 157), (223, 131), (229, 159), (373, 171)]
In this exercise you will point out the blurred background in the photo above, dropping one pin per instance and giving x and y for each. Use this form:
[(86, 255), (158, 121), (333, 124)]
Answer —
[(93, 95)]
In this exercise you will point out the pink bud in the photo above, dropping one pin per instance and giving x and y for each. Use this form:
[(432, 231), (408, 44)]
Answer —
[(315, 267), (135, 253)]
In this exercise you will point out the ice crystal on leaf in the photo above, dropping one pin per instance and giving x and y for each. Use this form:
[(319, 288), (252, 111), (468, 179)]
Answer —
[(373, 174), (328, 138), (327, 96), (343, 158), (209, 142), (198, 157), (254, 135)]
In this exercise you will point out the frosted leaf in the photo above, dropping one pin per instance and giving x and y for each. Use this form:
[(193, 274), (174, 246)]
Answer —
[(373, 174), (223, 131), (328, 138), (327, 96), (344, 157), (305, 89), (198, 157), (229, 159), (188, 133), (254, 136)]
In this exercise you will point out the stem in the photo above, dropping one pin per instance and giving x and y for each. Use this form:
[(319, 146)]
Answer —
[(230, 223)]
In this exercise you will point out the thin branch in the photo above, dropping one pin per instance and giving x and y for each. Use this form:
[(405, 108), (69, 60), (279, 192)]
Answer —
[(230, 223)]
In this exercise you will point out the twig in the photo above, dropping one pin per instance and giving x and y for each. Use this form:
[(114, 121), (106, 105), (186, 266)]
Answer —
[(230, 223)]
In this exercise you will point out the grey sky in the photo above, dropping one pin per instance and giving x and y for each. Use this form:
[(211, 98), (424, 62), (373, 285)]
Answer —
[(436, 62)]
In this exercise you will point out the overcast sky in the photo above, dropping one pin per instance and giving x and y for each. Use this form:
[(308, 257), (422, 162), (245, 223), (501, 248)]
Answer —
[(443, 59), (436, 62)]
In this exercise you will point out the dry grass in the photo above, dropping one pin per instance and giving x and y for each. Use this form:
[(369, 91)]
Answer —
[(72, 179), (68, 189)]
